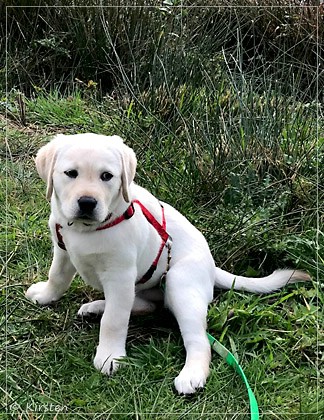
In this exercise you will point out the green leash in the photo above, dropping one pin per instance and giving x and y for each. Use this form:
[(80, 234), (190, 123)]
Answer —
[(230, 360)]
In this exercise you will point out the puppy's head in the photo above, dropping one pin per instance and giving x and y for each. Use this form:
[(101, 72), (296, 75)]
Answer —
[(89, 174)]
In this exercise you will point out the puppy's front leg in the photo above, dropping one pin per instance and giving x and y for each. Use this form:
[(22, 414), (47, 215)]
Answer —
[(59, 279), (119, 293)]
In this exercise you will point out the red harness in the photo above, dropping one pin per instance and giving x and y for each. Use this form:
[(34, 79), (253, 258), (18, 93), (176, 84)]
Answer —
[(160, 228)]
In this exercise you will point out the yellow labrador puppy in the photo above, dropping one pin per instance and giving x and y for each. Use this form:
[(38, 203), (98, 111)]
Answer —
[(122, 240)]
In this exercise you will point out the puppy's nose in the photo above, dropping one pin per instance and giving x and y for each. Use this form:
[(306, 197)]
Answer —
[(87, 204)]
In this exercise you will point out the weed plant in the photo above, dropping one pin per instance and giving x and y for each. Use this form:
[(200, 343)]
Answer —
[(223, 108)]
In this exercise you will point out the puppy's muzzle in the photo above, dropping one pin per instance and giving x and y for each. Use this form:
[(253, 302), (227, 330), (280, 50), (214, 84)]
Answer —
[(86, 207)]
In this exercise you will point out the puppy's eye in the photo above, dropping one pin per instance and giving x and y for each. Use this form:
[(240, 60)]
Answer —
[(72, 173), (106, 176)]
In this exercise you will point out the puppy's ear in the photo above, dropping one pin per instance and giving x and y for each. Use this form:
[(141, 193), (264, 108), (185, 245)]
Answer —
[(129, 162), (45, 162)]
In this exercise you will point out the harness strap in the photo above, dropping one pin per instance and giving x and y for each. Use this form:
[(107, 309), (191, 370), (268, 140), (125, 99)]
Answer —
[(125, 216), (159, 227), (60, 241)]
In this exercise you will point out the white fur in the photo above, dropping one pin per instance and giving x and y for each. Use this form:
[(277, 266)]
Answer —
[(112, 260)]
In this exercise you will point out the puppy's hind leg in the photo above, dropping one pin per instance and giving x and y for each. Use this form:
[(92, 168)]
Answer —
[(142, 306), (96, 307), (144, 302), (189, 305)]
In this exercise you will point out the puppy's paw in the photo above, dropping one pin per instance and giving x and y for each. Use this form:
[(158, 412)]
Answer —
[(42, 293), (92, 308), (107, 362), (190, 380)]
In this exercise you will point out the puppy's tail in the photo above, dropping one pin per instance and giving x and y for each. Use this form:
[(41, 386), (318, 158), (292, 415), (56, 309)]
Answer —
[(276, 280)]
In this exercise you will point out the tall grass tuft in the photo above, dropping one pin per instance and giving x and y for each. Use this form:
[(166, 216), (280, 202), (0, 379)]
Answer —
[(54, 45)]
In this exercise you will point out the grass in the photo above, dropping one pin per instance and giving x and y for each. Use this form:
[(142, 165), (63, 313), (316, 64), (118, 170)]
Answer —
[(235, 144), (49, 350)]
